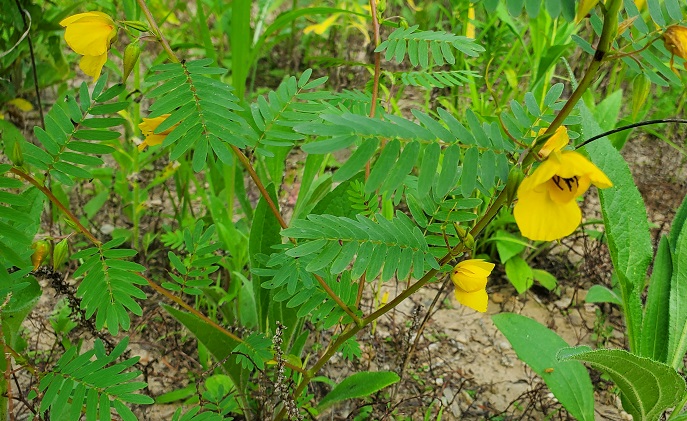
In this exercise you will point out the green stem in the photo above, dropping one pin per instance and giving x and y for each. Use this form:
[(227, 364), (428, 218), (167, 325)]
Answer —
[(605, 40)]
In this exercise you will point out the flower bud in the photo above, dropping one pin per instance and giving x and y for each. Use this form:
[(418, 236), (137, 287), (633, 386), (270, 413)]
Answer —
[(465, 237), (70, 223), (381, 7), (135, 24), (515, 177), (641, 85), (41, 249), (17, 154), (131, 54), (60, 254)]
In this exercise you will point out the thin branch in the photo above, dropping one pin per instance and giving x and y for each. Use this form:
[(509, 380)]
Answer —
[(33, 59), (57, 203), (156, 31), (631, 126)]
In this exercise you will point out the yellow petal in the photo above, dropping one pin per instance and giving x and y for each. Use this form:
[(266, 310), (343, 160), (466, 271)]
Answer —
[(320, 28), (540, 218), (21, 104), (90, 35), (556, 142), (149, 125), (93, 65), (471, 275), (469, 26), (562, 190), (466, 282), (575, 164), (477, 300), (152, 140), (71, 19), (480, 263), (542, 174)]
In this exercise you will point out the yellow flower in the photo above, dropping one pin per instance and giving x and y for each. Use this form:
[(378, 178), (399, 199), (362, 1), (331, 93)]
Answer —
[(470, 279), (558, 140), (90, 34), (675, 40), (320, 28), (148, 127), (546, 209)]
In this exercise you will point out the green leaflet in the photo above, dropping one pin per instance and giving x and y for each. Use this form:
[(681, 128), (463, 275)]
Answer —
[(419, 44)]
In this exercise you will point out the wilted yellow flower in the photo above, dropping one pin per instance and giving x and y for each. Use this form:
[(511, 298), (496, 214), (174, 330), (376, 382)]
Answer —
[(90, 34), (558, 140), (470, 279), (546, 209), (675, 40), (148, 126)]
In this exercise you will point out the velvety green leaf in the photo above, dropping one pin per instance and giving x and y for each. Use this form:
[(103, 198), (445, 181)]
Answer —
[(677, 337), (656, 322), (625, 220), (648, 387)]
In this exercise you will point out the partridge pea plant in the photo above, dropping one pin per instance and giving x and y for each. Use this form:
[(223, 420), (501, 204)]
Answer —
[(253, 279)]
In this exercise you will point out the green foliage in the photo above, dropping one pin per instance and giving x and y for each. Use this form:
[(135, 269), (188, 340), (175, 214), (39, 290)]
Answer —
[(397, 245), (381, 196), (92, 382), (438, 79), (253, 351), (568, 381), (200, 261), (108, 287), (420, 46), (564, 8), (648, 387), (358, 385), (626, 225), (272, 119), (19, 221), (203, 108), (66, 154)]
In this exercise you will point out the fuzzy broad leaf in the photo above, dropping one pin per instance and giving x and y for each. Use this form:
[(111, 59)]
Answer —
[(648, 387)]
